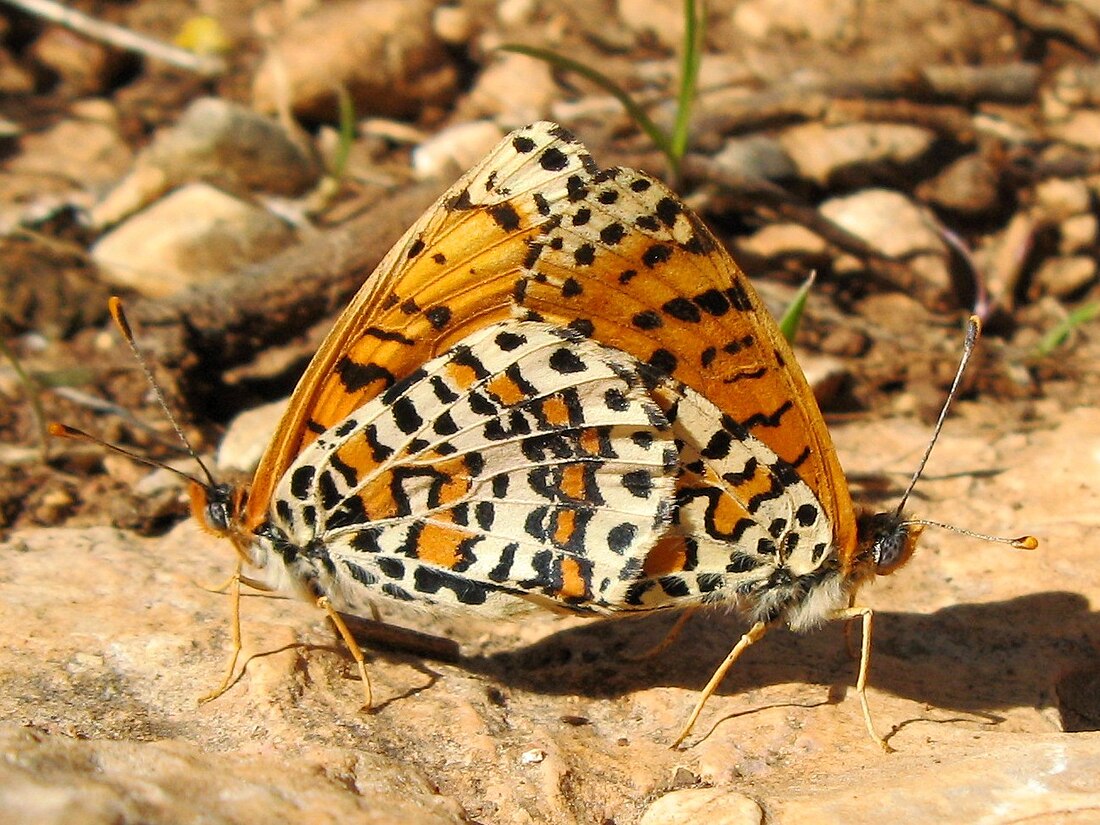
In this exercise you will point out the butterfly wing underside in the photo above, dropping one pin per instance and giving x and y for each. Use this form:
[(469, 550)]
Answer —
[(537, 230), (519, 462)]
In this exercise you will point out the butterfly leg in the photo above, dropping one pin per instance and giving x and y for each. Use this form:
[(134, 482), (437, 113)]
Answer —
[(754, 634), (234, 587), (671, 636), (353, 647), (867, 615)]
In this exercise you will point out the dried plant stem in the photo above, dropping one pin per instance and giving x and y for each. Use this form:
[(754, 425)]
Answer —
[(122, 38)]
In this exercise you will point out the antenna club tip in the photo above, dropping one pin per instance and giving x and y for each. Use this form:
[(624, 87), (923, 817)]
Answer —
[(1025, 543), (58, 430), (118, 315)]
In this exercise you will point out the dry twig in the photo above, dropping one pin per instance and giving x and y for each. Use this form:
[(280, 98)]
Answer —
[(119, 37)]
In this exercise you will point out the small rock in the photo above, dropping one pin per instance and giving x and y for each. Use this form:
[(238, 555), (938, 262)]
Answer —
[(663, 19), (247, 437), (887, 220), (1076, 85), (88, 152), (516, 12), (1035, 778), (513, 89), (532, 757), (15, 79), (757, 156), (779, 240), (453, 25), (1064, 277), (715, 806), (845, 341), (821, 151), (225, 143), (970, 186), (1058, 198), (193, 236), (1078, 234), (1081, 128), (455, 148), (83, 65), (826, 375), (383, 52)]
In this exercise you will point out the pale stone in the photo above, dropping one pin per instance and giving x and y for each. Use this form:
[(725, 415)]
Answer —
[(247, 436), (89, 152), (194, 235), (819, 151), (780, 239), (225, 143), (1081, 128), (1078, 233), (1059, 198), (1063, 277), (452, 24), (513, 90), (454, 149), (758, 19), (714, 806), (887, 220), (757, 155), (383, 52), (664, 19)]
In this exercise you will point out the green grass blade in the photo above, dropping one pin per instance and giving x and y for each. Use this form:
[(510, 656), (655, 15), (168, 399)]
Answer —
[(691, 59), (347, 132), (792, 317), (1060, 334), (659, 138)]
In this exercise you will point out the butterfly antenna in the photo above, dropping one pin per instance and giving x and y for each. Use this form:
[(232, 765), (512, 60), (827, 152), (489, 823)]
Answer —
[(118, 315), (973, 333), (73, 434)]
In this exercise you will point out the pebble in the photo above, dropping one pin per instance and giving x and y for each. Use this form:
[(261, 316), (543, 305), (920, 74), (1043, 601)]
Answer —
[(714, 806), (219, 141), (969, 186), (1064, 277), (454, 149), (383, 52), (757, 156), (887, 220), (193, 236), (821, 151)]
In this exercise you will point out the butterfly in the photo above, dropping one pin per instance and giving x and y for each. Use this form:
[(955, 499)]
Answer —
[(557, 388)]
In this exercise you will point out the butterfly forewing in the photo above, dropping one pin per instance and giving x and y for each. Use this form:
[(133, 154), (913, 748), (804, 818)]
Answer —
[(453, 271), (520, 461)]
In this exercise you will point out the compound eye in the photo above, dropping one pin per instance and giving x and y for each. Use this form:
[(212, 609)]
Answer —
[(217, 516), (214, 507), (895, 547)]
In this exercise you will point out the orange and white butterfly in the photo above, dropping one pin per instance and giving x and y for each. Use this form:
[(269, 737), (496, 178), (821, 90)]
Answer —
[(558, 388)]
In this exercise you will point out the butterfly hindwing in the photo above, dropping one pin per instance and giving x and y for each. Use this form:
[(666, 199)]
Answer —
[(745, 527), (524, 460)]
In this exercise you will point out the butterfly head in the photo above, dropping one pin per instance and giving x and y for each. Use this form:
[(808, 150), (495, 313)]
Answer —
[(218, 509), (887, 541)]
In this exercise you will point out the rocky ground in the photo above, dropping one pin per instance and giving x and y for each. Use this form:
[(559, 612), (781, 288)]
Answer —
[(927, 160)]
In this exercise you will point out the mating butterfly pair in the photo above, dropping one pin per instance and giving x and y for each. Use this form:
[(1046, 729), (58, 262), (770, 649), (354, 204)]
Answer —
[(558, 387)]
